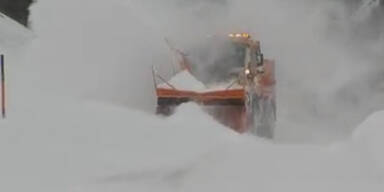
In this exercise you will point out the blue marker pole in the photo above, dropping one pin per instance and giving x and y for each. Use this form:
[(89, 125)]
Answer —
[(3, 112)]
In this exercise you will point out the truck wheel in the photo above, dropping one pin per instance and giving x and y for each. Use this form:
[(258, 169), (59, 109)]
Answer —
[(266, 123), (262, 117), (164, 110)]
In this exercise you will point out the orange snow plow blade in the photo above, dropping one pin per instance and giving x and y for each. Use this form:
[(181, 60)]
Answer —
[(227, 106), (226, 97)]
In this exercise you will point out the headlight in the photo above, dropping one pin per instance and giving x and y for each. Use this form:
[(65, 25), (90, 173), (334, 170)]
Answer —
[(247, 71)]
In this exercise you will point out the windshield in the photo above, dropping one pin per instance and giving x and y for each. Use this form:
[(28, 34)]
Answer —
[(218, 60), (230, 57)]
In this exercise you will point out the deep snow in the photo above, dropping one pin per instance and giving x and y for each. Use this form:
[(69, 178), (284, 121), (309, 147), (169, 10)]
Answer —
[(184, 80), (60, 137), (88, 146)]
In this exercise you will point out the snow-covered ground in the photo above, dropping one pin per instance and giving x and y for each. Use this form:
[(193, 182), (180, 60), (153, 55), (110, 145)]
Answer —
[(12, 33), (69, 127), (73, 145)]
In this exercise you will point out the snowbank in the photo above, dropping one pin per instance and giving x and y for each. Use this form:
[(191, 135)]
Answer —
[(184, 80), (74, 145), (12, 33), (66, 142), (369, 138)]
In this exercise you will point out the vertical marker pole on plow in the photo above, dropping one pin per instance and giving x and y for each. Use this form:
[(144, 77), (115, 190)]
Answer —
[(3, 112)]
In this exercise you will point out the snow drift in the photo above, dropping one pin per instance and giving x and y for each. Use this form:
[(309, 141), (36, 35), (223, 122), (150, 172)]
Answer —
[(369, 138), (12, 34), (184, 80)]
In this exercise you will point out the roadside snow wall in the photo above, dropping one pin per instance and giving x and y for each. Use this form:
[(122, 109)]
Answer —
[(369, 138)]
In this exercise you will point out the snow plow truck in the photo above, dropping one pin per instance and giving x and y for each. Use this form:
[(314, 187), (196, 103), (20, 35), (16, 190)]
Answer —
[(240, 93)]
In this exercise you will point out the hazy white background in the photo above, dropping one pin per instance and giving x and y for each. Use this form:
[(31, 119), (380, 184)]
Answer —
[(326, 52)]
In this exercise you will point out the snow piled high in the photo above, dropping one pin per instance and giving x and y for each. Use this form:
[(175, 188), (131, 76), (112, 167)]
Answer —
[(184, 80), (66, 142), (12, 33), (369, 137), (73, 143)]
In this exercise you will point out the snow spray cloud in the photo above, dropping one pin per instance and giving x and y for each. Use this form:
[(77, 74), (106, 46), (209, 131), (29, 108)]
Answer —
[(94, 49), (327, 63), (105, 49), (311, 42)]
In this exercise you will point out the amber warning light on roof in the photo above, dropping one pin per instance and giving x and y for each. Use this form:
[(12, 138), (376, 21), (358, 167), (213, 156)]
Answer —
[(239, 35)]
